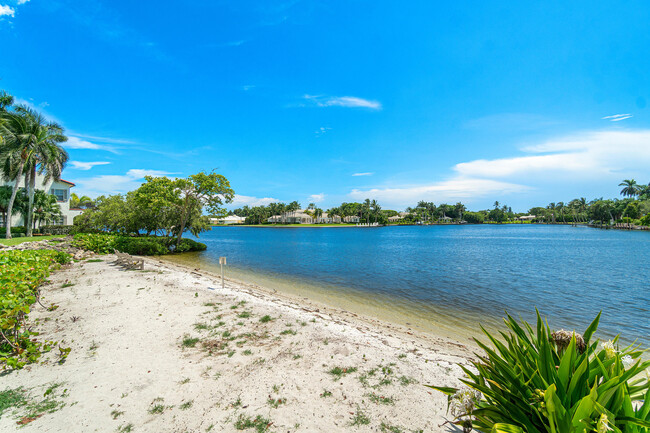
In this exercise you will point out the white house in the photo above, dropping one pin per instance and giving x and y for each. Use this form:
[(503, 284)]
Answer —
[(302, 217), (59, 188), (230, 219)]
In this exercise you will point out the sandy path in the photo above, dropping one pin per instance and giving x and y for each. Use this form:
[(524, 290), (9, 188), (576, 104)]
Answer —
[(128, 366)]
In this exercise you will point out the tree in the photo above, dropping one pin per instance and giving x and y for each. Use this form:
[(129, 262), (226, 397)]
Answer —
[(31, 146), (198, 191), (630, 188)]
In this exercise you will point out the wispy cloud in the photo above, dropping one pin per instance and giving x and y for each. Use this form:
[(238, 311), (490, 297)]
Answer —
[(248, 87), (585, 155), (7, 11), (342, 101), (617, 117), (245, 200), (22, 2), (79, 143), (115, 184), (79, 165), (316, 198), (103, 139), (322, 130), (363, 174)]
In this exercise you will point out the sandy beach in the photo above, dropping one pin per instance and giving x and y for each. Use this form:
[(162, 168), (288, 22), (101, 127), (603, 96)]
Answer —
[(168, 350)]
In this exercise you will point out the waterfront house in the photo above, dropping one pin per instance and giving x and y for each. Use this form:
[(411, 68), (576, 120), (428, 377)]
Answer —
[(302, 217), (230, 219), (61, 190)]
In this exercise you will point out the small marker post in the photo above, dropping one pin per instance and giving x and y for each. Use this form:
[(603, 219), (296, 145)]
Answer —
[(222, 261)]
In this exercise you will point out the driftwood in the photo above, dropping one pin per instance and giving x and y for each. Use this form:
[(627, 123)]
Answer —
[(128, 261)]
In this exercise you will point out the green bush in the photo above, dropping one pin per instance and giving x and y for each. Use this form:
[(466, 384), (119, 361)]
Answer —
[(103, 243), (645, 220), (542, 381), (22, 273)]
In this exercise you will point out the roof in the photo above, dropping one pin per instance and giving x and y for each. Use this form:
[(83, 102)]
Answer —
[(66, 181)]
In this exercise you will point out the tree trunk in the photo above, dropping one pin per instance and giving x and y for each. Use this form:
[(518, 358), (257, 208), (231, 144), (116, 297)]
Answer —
[(10, 207), (183, 221), (30, 208)]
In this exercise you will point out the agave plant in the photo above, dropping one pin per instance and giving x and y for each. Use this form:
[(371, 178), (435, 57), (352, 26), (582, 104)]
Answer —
[(538, 381)]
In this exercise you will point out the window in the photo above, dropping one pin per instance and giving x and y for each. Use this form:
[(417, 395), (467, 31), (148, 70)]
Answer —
[(61, 194)]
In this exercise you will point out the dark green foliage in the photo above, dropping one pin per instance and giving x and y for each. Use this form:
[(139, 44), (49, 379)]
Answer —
[(102, 243)]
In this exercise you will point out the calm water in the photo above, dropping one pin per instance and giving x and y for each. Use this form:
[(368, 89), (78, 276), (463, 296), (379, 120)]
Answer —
[(451, 277)]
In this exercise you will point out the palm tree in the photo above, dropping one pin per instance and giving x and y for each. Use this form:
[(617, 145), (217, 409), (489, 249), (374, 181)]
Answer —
[(366, 209), (44, 156), (375, 208), (46, 208), (630, 188)]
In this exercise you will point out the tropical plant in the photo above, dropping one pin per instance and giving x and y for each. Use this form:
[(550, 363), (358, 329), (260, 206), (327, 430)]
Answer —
[(32, 145), (630, 188), (536, 380), (22, 274)]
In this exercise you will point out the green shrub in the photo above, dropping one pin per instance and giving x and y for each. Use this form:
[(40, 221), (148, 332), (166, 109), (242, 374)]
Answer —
[(103, 243), (22, 273), (645, 220), (542, 381)]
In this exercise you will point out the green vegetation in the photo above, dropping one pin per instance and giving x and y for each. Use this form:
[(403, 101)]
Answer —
[(536, 380), (259, 423), (265, 319), (165, 207), (190, 341), (22, 274), (339, 372), (143, 245), (360, 418)]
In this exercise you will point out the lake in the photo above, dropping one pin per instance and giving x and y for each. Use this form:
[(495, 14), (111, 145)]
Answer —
[(447, 279)]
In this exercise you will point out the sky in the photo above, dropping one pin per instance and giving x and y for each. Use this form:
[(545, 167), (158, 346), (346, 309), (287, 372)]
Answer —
[(524, 103)]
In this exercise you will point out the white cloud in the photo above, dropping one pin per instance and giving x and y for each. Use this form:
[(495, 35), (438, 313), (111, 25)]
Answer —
[(79, 165), (6, 10), (363, 174), (78, 143), (248, 87), (617, 117), (451, 191), (322, 130), (316, 198), (587, 155), (22, 2), (343, 101), (115, 184), (243, 200)]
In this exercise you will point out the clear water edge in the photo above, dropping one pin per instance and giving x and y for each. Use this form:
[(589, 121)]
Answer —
[(406, 275)]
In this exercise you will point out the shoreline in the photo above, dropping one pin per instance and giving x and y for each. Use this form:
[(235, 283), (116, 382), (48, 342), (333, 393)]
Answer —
[(166, 350)]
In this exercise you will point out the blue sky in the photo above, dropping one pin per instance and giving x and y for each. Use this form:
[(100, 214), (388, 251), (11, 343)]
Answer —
[(339, 101)]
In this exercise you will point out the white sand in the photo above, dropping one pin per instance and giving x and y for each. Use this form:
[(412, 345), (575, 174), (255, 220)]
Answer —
[(126, 329)]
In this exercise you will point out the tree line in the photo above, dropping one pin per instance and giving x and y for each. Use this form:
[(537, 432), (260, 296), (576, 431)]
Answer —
[(633, 207)]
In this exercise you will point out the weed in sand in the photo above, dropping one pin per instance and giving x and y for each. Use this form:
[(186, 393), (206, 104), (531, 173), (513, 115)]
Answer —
[(275, 402), (247, 352), (186, 405), (190, 341), (231, 353), (67, 284), (405, 380), (236, 403), (184, 381), (200, 326), (259, 423), (325, 394), (244, 315), (339, 372), (265, 319), (94, 260), (288, 332), (116, 413), (360, 418), (12, 398), (125, 428), (380, 399), (297, 357)]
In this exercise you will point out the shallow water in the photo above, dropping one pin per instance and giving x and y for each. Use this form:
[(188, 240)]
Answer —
[(449, 278)]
